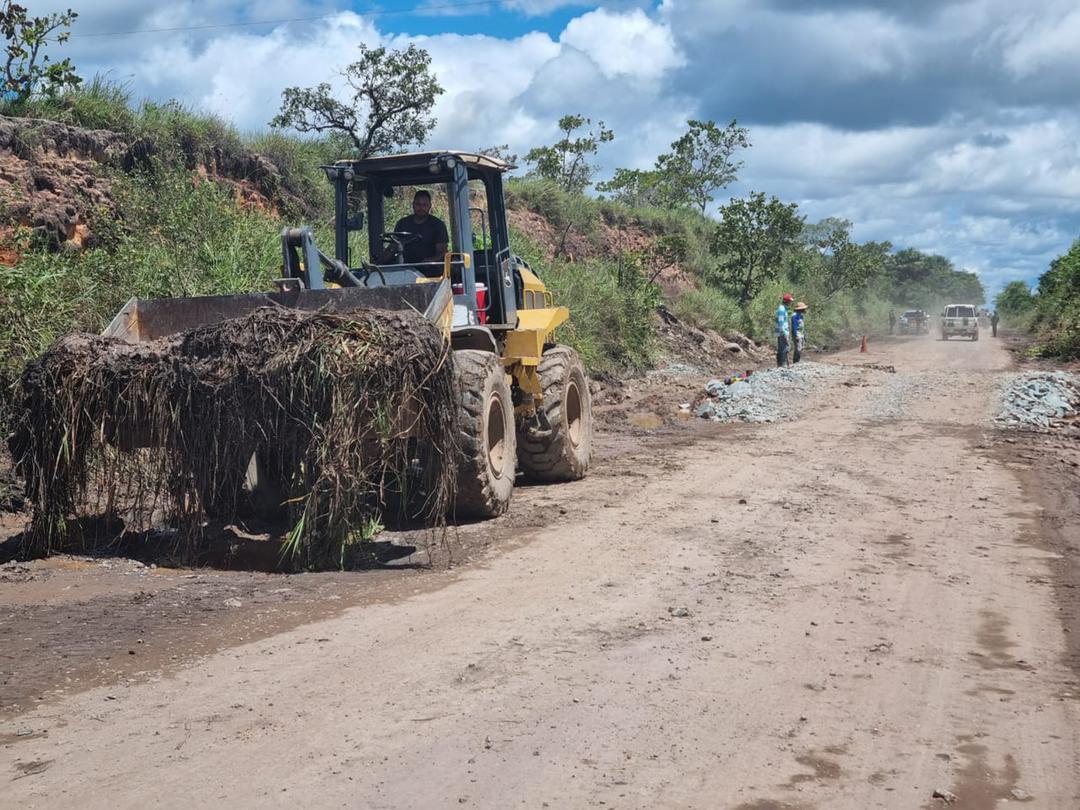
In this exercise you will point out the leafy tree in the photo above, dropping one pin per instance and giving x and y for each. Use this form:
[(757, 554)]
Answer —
[(393, 92), (914, 278), (28, 71), (1015, 300), (638, 187), (699, 163), (750, 241), (566, 162), (964, 286), (1058, 305), (847, 264)]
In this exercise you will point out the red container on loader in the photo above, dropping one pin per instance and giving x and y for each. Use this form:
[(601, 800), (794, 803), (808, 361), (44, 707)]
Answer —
[(481, 299)]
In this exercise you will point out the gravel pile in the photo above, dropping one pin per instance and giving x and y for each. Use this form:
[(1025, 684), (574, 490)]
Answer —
[(766, 396), (1039, 398)]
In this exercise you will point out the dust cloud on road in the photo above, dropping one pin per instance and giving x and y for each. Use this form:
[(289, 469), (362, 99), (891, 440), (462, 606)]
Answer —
[(858, 608)]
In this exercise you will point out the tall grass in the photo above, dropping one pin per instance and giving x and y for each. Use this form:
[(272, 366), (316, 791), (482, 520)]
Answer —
[(172, 235), (97, 104), (708, 308)]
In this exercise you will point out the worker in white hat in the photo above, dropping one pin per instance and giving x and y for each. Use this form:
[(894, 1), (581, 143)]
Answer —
[(798, 331)]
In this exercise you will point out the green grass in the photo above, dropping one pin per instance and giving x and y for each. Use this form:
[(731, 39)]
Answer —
[(96, 104), (708, 308), (173, 235)]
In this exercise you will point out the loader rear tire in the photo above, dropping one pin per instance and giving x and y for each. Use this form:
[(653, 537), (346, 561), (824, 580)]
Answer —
[(565, 454), (487, 444)]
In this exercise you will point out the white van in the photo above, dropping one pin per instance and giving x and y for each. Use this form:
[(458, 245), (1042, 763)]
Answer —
[(960, 319)]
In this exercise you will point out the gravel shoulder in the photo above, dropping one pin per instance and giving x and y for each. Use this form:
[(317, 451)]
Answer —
[(861, 605)]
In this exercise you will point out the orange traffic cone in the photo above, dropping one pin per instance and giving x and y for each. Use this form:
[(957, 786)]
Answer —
[(863, 349)]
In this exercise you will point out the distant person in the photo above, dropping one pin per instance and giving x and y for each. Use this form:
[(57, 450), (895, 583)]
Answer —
[(798, 332), (892, 321), (432, 238), (994, 322), (783, 331)]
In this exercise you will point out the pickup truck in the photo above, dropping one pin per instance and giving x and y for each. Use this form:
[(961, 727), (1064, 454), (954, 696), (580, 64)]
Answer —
[(960, 319)]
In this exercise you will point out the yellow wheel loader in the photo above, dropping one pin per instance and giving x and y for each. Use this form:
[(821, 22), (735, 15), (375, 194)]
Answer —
[(523, 401)]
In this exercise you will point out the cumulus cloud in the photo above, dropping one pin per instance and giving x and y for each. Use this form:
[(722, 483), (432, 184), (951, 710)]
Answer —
[(1034, 43), (629, 44)]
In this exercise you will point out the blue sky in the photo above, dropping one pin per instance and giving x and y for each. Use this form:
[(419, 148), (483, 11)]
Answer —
[(952, 126)]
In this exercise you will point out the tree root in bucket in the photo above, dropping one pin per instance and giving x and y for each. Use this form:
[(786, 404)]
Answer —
[(348, 417)]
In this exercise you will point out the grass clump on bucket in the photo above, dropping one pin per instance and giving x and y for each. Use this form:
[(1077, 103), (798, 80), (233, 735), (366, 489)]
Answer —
[(345, 418)]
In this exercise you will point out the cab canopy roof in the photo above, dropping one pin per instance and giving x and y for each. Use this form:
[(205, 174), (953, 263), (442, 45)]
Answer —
[(424, 165)]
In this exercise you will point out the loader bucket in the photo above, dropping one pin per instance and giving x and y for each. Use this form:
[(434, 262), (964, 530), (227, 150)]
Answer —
[(145, 319)]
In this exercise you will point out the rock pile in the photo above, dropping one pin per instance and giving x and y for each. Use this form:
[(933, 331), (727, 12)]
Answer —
[(767, 395), (1039, 398)]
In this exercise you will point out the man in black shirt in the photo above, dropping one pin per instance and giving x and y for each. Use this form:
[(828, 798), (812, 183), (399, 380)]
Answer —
[(432, 241)]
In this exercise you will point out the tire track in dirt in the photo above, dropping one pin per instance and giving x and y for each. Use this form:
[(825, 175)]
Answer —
[(818, 614)]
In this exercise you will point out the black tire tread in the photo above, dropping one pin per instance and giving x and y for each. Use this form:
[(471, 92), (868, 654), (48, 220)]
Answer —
[(477, 495), (552, 458)]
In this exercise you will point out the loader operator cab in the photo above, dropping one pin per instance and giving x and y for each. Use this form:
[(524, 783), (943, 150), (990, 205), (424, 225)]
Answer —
[(485, 277)]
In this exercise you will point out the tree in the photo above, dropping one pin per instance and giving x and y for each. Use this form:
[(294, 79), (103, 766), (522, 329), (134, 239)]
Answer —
[(924, 280), (847, 265), (393, 92), (637, 187), (28, 71), (566, 162), (699, 163), (1015, 300), (750, 241), (1057, 313)]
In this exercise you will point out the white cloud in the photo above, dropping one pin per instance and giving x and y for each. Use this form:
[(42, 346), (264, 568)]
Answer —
[(483, 77), (1001, 202), (630, 44), (1041, 40)]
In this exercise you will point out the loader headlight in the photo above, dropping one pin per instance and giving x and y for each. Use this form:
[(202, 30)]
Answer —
[(437, 164)]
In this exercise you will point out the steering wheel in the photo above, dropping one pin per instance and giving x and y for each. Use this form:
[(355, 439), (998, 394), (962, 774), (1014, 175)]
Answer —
[(399, 239)]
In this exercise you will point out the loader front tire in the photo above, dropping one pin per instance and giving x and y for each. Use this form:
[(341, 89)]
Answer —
[(565, 454), (486, 440)]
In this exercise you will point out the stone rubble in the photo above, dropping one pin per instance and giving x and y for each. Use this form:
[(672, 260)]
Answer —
[(1038, 398), (767, 395)]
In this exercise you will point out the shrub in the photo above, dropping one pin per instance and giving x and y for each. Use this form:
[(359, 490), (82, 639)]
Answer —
[(708, 308), (611, 309)]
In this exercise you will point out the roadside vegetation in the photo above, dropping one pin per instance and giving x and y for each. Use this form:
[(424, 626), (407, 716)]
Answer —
[(180, 227), (1051, 311)]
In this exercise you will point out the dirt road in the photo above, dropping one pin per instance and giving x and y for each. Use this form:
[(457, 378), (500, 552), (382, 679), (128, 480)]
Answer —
[(856, 609)]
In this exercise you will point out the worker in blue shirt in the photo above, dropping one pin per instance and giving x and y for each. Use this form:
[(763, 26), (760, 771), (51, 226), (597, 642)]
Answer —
[(783, 331), (798, 332)]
